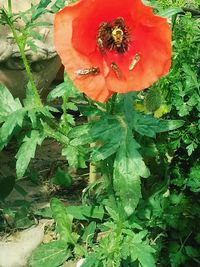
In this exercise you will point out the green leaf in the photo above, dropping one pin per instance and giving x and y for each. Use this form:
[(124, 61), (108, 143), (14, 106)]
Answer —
[(128, 168), (40, 9), (109, 131), (167, 13), (22, 220), (32, 46), (194, 178), (36, 35), (8, 104), (58, 5), (54, 133), (113, 214), (191, 76), (43, 212), (89, 232), (39, 24), (91, 261), (134, 247), (71, 106), (149, 126), (191, 147), (105, 151), (12, 120), (192, 252), (62, 178), (59, 91), (27, 151), (177, 259), (43, 3), (86, 212), (176, 254), (75, 156), (66, 88), (52, 254), (63, 221)]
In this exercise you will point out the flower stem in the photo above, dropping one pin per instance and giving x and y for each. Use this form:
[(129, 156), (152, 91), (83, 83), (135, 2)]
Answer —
[(10, 6), (113, 100), (21, 45)]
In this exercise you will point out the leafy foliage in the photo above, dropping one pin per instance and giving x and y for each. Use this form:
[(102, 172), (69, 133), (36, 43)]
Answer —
[(52, 254), (125, 220), (128, 168), (27, 151)]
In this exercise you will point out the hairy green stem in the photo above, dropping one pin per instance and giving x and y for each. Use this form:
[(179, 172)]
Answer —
[(64, 125), (174, 18), (10, 6), (21, 46), (113, 100)]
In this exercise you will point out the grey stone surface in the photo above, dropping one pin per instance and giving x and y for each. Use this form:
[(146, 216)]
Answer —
[(44, 63)]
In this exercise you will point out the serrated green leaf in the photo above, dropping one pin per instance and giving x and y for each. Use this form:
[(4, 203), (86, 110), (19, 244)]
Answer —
[(149, 126), (109, 132), (191, 76), (39, 24), (8, 104), (52, 254), (128, 168), (108, 128), (29, 101), (55, 134), (58, 5), (89, 232), (194, 178), (71, 106), (86, 212), (27, 151), (58, 91), (191, 147), (91, 261), (40, 9), (167, 13), (12, 120), (46, 111), (170, 125), (134, 247), (113, 214), (43, 3), (104, 152), (36, 35), (32, 46), (75, 156), (63, 221), (65, 88)]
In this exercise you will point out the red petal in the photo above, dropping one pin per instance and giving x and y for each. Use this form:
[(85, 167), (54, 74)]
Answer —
[(150, 37), (93, 86), (153, 44), (85, 26)]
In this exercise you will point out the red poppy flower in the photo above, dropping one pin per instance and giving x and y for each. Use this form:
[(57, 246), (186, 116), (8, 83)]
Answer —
[(109, 46)]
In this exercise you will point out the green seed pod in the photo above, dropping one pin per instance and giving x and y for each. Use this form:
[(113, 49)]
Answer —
[(152, 100)]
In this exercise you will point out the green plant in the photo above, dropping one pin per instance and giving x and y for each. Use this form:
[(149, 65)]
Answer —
[(125, 219)]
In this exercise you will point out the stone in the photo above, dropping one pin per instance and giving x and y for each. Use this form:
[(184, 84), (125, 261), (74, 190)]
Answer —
[(44, 63)]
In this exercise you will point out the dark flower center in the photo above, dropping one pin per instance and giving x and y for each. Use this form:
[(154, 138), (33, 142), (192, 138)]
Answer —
[(113, 36)]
